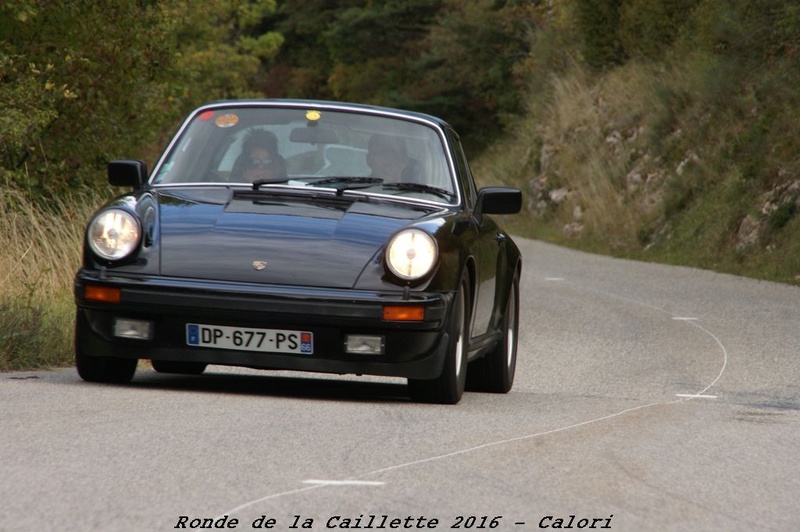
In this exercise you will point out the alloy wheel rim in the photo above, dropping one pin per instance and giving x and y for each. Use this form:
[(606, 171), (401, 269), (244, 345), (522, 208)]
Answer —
[(461, 329), (511, 333)]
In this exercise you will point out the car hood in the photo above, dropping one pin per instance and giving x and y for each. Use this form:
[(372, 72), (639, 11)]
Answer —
[(280, 238)]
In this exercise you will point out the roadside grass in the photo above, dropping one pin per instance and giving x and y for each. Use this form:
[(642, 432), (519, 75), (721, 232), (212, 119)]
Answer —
[(40, 248)]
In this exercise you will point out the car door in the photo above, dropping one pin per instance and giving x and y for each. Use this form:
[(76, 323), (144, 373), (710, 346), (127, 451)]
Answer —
[(485, 244)]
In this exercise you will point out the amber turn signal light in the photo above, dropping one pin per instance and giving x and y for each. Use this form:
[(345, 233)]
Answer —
[(105, 294), (403, 313)]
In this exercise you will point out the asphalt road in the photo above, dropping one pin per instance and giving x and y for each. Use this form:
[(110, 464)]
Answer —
[(647, 398)]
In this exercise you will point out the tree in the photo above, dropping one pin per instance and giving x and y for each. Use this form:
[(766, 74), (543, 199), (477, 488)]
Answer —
[(372, 48), (450, 58), (222, 45), (599, 26), (70, 99), (469, 61), (358, 50), (302, 67)]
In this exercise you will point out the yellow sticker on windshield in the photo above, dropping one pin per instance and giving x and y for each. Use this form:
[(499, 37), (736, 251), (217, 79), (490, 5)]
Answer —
[(228, 120), (313, 116)]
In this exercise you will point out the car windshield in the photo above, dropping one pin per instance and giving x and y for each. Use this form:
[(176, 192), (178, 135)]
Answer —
[(311, 147)]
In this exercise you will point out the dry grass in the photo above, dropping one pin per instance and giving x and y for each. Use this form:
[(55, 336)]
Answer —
[(662, 162), (593, 127), (39, 253)]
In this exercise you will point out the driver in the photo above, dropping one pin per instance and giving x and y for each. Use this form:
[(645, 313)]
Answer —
[(260, 159)]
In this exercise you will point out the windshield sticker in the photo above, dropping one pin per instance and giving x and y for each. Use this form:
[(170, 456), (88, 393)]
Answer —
[(205, 116), (313, 116), (228, 120)]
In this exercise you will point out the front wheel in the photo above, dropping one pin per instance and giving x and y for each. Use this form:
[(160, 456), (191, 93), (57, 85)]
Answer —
[(495, 372), (105, 369), (448, 387), (99, 369)]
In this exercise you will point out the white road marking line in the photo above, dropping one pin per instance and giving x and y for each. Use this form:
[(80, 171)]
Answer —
[(683, 398), (724, 359), (695, 396), (344, 482), (447, 455), (316, 485)]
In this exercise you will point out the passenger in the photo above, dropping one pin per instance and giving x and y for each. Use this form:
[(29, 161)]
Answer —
[(260, 160), (388, 159)]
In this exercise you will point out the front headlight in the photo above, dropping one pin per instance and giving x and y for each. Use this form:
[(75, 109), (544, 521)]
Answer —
[(114, 234), (411, 254)]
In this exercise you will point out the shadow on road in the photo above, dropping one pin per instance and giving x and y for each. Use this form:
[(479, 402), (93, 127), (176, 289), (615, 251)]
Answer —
[(295, 386)]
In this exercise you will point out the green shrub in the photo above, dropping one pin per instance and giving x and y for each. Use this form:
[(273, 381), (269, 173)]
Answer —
[(647, 28), (598, 24)]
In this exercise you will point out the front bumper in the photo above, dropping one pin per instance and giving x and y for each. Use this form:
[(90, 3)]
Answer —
[(413, 349)]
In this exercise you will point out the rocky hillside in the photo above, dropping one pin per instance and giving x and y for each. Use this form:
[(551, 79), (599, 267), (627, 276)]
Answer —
[(691, 159)]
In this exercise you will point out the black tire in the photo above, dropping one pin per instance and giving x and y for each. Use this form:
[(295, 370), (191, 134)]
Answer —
[(99, 369), (449, 386), (180, 367), (494, 372), (105, 369)]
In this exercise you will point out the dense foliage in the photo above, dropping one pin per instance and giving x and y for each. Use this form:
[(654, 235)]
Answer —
[(73, 86), (82, 83)]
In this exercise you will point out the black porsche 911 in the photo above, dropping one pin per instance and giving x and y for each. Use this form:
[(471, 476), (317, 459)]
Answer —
[(304, 235)]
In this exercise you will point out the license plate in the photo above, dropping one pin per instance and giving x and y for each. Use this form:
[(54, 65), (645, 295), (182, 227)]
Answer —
[(246, 339)]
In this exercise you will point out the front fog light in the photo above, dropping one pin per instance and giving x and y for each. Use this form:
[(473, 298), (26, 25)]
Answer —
[(133, 329), (357, 344)]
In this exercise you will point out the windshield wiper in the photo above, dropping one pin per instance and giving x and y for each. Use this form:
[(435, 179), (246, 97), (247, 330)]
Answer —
[(258, 182), (421, 187), (347, 183)]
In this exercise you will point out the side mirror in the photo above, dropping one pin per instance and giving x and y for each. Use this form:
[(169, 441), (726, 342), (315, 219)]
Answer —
[(498, 200), (127, 173)]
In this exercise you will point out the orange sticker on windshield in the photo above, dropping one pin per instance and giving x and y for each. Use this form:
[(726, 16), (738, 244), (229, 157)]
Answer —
[(228, 120)]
